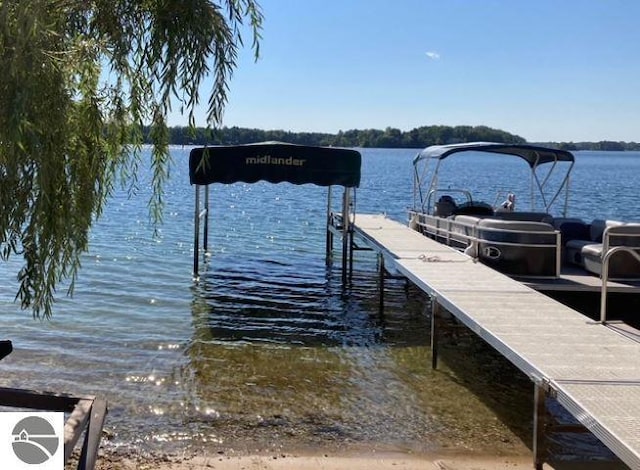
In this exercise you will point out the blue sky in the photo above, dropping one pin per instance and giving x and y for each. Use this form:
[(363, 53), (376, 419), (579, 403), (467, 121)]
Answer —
[(558, 70)]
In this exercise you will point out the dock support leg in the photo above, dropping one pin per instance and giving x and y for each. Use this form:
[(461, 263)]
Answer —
[(539, 424), (351, 245), (435, 313), (345, 237), (329, 240), (381, 284)]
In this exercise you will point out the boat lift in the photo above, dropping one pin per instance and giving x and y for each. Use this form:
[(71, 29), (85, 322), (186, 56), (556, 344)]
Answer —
[(276, 162)]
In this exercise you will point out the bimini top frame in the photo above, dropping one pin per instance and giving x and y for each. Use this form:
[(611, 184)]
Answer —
[(274, 162), (535, 157)]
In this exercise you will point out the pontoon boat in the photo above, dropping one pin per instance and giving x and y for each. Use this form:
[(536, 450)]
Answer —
[(555, 252)]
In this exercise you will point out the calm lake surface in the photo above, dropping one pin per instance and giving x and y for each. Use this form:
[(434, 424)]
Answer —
[(269, 351)]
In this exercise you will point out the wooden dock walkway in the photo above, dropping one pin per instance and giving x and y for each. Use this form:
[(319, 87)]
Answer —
[(592, 370)]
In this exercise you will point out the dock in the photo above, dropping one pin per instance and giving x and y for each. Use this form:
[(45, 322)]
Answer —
[(591, 369)]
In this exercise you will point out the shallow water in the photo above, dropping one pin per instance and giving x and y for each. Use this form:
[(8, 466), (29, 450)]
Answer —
[(269, 350)]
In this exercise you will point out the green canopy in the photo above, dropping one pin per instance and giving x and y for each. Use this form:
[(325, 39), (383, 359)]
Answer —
[(275, 162)]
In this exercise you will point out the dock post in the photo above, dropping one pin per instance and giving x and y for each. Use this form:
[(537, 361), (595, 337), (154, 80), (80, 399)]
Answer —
[(435, 311), (345, 235), (196, 233), (381, 284), (539, 424), (351, 246)]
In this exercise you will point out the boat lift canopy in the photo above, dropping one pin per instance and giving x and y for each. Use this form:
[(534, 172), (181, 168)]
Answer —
[(275, 162)]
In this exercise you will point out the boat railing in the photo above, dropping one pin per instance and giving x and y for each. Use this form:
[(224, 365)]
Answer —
[(462, 234), (629, 231)]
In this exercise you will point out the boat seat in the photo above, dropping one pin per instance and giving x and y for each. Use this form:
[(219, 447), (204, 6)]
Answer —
[(480, 209), (493, 227), (571, 229), (588, 253), (598, 227), (467, 219), (525, 216), (445, 206), (559, 221)]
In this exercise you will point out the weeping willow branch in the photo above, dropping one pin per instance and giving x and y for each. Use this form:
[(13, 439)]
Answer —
[(80, 79)]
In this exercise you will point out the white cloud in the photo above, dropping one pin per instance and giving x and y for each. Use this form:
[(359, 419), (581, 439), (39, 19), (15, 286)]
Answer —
[(432, 55)]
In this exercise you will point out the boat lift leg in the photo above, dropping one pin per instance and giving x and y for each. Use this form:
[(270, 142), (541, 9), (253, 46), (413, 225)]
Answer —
[(205, 245), (346, 241), (351, 246), (435, 313), (381, 284), (196, 234), (539, 424), (329, 254), (329, 238)]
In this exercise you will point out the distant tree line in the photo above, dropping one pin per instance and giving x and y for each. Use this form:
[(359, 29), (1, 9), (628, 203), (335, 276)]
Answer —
[(375, 138), (603, 145), (387, 138)]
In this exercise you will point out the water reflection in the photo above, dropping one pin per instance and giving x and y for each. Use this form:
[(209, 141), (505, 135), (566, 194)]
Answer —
[(282, 354), (269, 301)]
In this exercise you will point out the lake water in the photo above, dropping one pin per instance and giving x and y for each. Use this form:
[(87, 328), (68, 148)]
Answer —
[(269, 351)]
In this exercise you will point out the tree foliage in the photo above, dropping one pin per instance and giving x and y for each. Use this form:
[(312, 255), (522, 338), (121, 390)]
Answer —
[(80, 79), (601, 146)]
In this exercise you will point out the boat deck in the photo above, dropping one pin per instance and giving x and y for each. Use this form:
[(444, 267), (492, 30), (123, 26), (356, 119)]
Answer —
[(591, 369), (574, 279)]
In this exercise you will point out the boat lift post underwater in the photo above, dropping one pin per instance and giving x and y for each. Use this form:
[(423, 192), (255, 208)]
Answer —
[(277, 162)]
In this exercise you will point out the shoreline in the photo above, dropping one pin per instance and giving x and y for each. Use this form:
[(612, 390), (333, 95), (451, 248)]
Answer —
[(318, 460), (340, 460), (365, 456)]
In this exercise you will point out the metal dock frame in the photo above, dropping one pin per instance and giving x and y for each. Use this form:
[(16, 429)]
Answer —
[(341, 224), (590, 369)]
